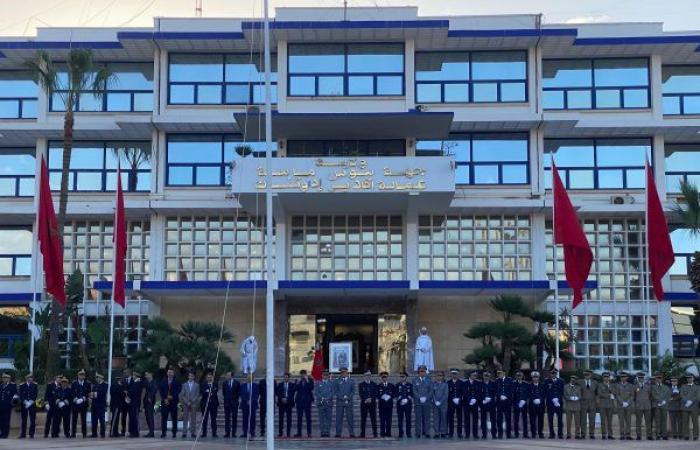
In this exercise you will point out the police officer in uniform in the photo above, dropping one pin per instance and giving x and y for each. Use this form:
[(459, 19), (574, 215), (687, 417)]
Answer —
[(209, 403), (521, 399), (455, 391), (555, 396), (116, 402), (487, 406), (625, 405), (325, 391), (344, 393), (690, 397), (572, 407), (605, 401), (80, 390), (660, 398), (538, 398), (440, 399), (588, 404), (98, 397), (28, 393), (404, 404), (8, 397), (62, 400), (49, 403), (232, 391), (471, 392), (642, 405), (385, 394), (368, 392), (150, 389), (674, 409), (134, 402), (504, 403), (422, 393), (303, 398)]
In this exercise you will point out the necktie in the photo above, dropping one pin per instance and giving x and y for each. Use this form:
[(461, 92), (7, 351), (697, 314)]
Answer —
[(588, 384)]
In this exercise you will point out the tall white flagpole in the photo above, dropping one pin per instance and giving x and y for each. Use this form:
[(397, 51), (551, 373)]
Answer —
[(647, 290), (112, 305), (555, 261)]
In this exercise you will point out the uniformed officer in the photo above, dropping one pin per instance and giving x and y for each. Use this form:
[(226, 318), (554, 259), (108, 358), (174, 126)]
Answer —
[(538, 398), (471, 396), (209, 403), (642, 406), (487, 405), (28, 393), (555, 395), (98, 397), (504, 403), (134, 402), (440, 398), (116, 402), (404, 403), (455, 392), (422, 393), (303, 398), (150, 389), (49, 403), (385, 395), (588, 404), (344, 393), (690, 397), (521, 399), (62, 399), (605, 401), (674, 409), (127, 379), (8, 397), (284, 393), (368, 403), (660, 398), (625, 405), (80, 390), (325, 392), (572, 407)]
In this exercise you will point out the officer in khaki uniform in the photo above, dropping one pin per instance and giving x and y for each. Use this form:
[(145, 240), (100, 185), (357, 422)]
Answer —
[(674, 409), (660, 397), (588, 404), (572, 407), (642, 406), (625, 406), (605, 401), (690, 396)]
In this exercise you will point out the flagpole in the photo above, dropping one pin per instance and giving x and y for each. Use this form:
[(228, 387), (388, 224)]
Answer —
[(112, 303), (555, 261), (647, 291)]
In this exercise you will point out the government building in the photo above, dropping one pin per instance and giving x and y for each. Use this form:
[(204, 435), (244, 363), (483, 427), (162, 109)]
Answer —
[(411, 177)]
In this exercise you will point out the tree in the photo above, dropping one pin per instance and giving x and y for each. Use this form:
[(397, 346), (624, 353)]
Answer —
[(688, 211), (75, 290), (541, 319), (134, 156), (566, 339), (82, 74)]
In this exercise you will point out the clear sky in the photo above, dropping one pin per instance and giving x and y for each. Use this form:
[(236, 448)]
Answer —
[(22, 17)]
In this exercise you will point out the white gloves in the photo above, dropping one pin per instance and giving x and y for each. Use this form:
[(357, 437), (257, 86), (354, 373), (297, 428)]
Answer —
[(404, 401), (676, 391), (15, 397), (503, 398), (61, 404), (28, 404), (537, 401), (556, 403), (423, 399), (386, 397), (612, 396), (127, 400), (487, 400), (521, 403), (79, 401), (688, 403), (438, 403), (455, 401), (574, 398), (625, 404), (47, 407), (472, 402), (661, 403)]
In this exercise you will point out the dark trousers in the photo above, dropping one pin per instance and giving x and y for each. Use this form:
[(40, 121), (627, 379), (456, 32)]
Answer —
[(97, 416), (471, 420), (5, 412), (385, 412), (519, 416), (134, 420), (114, 424), (452, 411), (536, 413), (263, 421), (49, 420), (168, 411), (368, 409), (62, 416), (231, 418), (79, 411), (28, 413), (150, 419), (124, 414), (404, 412), (249, 419), (304, 410), (488, 414), (209, 413), (503, 410), (551, 412), (285, 413)]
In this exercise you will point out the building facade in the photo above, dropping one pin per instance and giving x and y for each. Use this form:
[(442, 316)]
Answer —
[(411, 176)]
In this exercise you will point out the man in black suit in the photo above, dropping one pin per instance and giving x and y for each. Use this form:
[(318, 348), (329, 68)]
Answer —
[(284, 391), (209, 403), (127, 379), (368, 403), (232, 390), (134, 400), (149, 402), (116, 406), (303, 398), (169, 397)]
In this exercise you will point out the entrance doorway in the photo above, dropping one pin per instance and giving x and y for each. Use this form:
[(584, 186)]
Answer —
[(358, 329)]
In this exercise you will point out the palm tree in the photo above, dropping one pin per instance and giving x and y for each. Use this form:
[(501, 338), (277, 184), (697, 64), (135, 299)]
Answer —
[(688, 211), (135, 156), (82, 74)]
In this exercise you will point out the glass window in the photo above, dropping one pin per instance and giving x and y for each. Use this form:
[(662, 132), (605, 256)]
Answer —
[(17, 168), (681, 89), (682, 165), (15, 252), (190, 68), (567, 73), (375, 58), (18, 95), (499, 66)]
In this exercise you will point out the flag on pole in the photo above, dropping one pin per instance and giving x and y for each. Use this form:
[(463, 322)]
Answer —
[(317, 368), (578, 256), (50, 240), (119, 240), (659, 245)]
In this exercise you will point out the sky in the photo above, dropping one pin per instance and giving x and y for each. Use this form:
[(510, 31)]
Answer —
[(23, 21)]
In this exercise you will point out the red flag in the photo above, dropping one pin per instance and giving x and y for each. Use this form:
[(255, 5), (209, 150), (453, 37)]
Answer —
[(660, 250), (119, 240), (50, 240), (317, 368), (578, 256)]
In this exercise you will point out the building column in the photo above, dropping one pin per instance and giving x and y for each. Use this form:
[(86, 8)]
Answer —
[(157, 269), (656, 84), (664, 328), (411, 331), (281, 337), (409, 57), (411, 259)]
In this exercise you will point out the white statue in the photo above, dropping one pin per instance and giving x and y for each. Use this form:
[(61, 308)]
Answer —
[(249, 354), (424, 351)]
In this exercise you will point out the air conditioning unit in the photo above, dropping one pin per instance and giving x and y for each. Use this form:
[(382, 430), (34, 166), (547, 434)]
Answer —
[(621, 200)]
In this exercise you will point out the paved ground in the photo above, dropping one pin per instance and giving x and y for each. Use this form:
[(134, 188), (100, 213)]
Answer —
[(346, 444)]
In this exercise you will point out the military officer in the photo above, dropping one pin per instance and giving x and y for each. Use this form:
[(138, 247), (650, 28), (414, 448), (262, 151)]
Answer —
[(62, 400), (487, 406), (134, 400), (555, 395), (303, 398), (422, 399), (80, 390), (660, 397), (538, 398), (209, 403), (404, 403), (690, 396), (625, 404), (368, 404), (572, 407), (98, 397), (440, 398), (49, 404), (455, 390), (28, 393), (642, 406), (674, 409), (605, 401), (504, 403), (116, 400), (588, 404), (325, 391), (150, 389), (385, 393), (471, 396), (344, 392), (521, 399), (8, 396), (127, 379)]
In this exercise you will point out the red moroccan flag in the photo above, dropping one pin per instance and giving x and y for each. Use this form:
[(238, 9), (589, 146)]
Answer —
[(119, 240), (578, 256), (660, 250), (50, 240), (317, 368)]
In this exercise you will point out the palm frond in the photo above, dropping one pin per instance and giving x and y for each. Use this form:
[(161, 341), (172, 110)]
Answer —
[(688, 210), (44, 70)]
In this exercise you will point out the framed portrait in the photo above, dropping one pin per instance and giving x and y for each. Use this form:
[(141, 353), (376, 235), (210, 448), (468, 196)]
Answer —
[(340, 356)]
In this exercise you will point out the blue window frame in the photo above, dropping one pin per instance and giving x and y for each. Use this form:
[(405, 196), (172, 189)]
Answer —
[(605, 83), (347, 148), (93, 166), (484, 158), (471, 77), (18, 95), (205, 159), (684, 244), (597, 163), (15, 251), (129, 90), (345, 70), (681, 90), (218, 79), (682, 165), (17, 169)]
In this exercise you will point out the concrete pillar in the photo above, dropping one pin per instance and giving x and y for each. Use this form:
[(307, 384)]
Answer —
[(656, 82), (409, 73), (411, 259), (282, 76), (157, 249), (665, 327), (411, 331), (281, 337)]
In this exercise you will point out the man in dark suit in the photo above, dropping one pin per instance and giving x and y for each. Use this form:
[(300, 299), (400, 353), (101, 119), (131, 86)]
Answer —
[(455, 388), (209, 403), (127, 379), (116, 406), (134, 399), (471, 399), (367, 390), (250, 396), (555, 400), (80, 391), (262, 387), (232, 390), (303, 399), (99, 404), (49, 404), (169, 397), (28, 393), (284, 392), (150, 389), (385, 393)]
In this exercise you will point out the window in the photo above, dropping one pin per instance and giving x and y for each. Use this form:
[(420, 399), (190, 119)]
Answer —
[(16, 251), (318, 70), (205, 160), (484, 158), (682, 164), (129, 90), (346, 148), (93, 166), (474, 248), (681, 90), (596, 83), (597, 163), (685, 244), (18, 95), (219, 79), (17, 168)]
